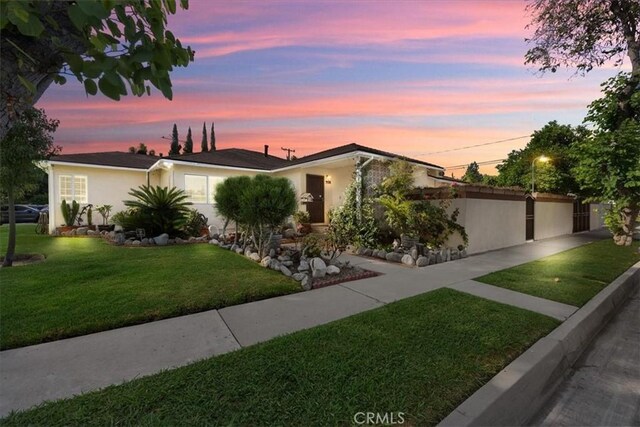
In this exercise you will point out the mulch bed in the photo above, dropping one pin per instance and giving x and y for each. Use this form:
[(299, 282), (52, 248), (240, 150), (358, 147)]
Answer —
[(346, 275)]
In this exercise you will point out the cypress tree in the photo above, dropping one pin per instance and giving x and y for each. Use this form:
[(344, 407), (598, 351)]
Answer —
[(205, 144), (213, 138), (188, 144), (174, 149)]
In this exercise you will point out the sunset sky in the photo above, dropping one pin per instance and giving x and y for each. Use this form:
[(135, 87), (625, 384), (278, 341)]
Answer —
[(412, 77)]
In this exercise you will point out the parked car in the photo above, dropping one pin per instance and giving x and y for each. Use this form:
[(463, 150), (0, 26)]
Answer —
[(24, 213)]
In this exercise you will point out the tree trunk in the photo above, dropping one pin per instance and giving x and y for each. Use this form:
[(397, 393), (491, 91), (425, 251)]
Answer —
[(43, 60), (11, 242), (629, 216)]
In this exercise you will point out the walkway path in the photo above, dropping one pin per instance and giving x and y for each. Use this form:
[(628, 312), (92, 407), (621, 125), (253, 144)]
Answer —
[(603, 388), (31, 375)]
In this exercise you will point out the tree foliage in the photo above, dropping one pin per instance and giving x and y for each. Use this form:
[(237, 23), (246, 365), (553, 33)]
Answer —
[(174, 148), (608, 163), (213, 138), (29, 142), (554, 141), (112, 47), (204, 145), (188, 143), (350, 225), (472, 174), (227, 199)]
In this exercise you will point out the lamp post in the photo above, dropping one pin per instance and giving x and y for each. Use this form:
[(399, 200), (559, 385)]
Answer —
[(543, 159)]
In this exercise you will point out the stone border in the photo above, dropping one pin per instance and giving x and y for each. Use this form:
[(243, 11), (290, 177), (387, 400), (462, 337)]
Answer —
[(518, 392)]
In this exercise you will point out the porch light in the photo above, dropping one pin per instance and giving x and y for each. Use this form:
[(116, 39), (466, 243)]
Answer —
[(327, 179)]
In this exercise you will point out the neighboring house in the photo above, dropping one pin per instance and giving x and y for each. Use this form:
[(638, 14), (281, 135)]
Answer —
[(106, 178)]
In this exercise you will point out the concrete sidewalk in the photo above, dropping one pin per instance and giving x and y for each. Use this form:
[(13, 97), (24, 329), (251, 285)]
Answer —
[(31, 375), (603, 388)]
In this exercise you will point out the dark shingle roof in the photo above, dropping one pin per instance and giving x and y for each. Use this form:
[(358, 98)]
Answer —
[(349, 148), (110, 158), (235, 157)]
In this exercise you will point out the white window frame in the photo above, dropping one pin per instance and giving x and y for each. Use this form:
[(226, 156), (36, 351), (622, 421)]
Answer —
[(206, 188), (209, 190), (80, 198)]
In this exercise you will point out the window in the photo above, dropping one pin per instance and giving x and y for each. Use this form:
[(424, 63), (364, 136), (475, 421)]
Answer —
[(200, 188), (196, 188), (73, 187)]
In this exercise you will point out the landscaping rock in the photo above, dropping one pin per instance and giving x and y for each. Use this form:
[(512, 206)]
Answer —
[(150, 242), (298, 276), (128, 242), (238, 250), (318, 273), (317, 263), (82, 231), (394, 257), (92, 232), (285, 270), (136, 243), (180, 241), (422, 261), (282, 258), (214, 242), (215, 236), (463, 253), (119, 239), (161, 240), (432, 258), (287, 263), (254, 257), (408, 260), (171, 241), (382, 254), (289, 233), (455, 254), (414, 253), (439, 258), (307, 284), (368, 252), (272, 253), (266, 261), (360, 251), (304, 265), (332, 270), (144, 241), (274, 264), (234, 247), (248, 250), (192, 239)]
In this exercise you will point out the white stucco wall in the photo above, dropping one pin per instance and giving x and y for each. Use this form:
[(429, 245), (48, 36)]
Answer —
[(552, 219), (104, 186), (491, 224)]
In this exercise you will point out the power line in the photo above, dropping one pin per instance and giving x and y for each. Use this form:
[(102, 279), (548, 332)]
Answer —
[(486, 162), (476, 145)]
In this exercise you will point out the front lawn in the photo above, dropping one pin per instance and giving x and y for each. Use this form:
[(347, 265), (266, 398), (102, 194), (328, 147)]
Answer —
[(421, 356), (571, 277), (86, 285)]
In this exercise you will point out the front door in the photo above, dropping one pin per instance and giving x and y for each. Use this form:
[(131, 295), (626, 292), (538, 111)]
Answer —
[(529, 218), (315, 187)]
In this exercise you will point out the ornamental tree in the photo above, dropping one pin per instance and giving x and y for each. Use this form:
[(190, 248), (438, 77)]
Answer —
[(174, 148), (28, 142), (114, 47), (608, 163), (472, 174), (227, 199), (204, 145), (188, 144)]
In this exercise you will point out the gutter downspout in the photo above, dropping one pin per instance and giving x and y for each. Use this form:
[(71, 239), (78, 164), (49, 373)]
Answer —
[(359, 167)]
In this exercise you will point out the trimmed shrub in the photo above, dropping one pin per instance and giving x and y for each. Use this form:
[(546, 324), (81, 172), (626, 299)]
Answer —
[(162, 210)]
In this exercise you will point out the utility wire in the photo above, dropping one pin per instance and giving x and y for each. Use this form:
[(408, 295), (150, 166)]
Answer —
[(486, 162), (476, 145)]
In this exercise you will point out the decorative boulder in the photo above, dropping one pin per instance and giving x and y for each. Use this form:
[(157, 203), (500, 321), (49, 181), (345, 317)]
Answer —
[(317, 263), (304, 266), (298, 276), (287, 263), (414, 253), (422, 261), (214, 242), (161, 240), (239, 250), (368, 252), (82, 231), (382, 254), (289, 233), (192, 239), (180, 241), (234, 247), (254, 257), (274, 264), (463, 253), (144, 241), (394, 257), (439, 259), (119, 239), (266, 261), (136, 243), (332, 270), (92, 232), (319, 273), (455, 254), (285, 271), (432, 258), (307, 284), (408, 260)]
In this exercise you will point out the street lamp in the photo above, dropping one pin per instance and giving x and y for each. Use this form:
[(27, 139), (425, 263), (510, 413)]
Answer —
[(542, 159)]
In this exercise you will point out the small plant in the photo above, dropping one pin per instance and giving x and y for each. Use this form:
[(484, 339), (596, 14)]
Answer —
[(301, 217), (90, 216), (128, 219), (104, 211), (86, 209), (195, 223), (69, 212)]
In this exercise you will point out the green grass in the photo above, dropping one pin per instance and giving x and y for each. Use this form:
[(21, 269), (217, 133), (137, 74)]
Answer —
[(422, 356), (86, 285), (582, 272)]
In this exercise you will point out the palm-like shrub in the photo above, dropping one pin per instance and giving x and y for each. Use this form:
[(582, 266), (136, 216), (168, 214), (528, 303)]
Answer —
[(161, 209)]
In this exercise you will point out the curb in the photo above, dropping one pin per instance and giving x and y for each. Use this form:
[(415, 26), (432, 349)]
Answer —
[(518, 392)]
